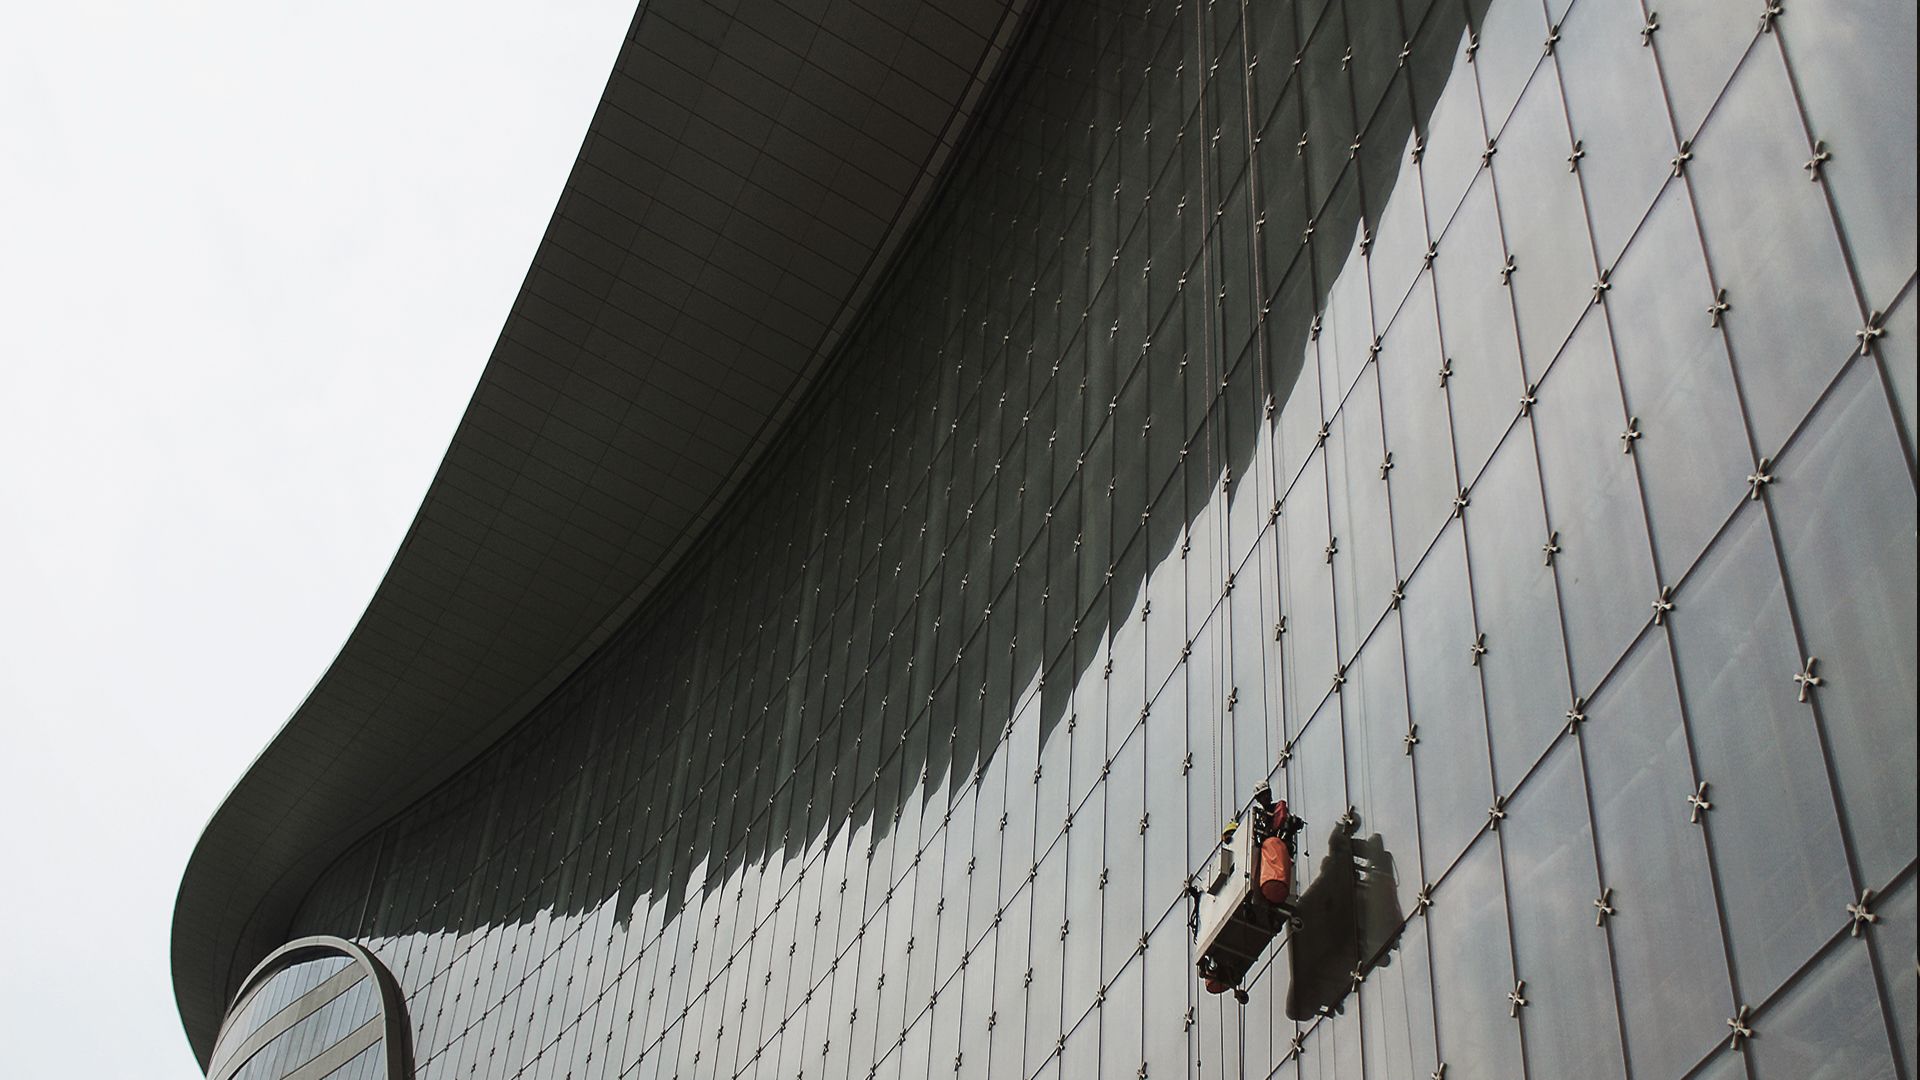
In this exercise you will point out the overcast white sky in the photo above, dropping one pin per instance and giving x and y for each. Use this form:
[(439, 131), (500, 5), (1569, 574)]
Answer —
[(252, 259)]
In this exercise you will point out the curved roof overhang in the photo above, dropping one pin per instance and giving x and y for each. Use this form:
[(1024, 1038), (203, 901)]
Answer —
[(746, 179)]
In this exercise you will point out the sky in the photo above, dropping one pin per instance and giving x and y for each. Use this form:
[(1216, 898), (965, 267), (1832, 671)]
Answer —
[(253, 257)]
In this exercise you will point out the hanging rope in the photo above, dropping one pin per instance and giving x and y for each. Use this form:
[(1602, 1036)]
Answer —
[(1269, 407), (1207, 424), (1241, 1016)]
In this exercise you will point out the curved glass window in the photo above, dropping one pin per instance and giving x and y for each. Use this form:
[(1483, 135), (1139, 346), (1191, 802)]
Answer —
[(314, 1010)]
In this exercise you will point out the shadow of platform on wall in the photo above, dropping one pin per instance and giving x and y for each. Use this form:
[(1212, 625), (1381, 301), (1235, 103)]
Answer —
[(1350, 919)]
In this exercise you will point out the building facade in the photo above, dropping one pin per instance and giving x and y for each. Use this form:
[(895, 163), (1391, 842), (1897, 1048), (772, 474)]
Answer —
[(1491, 424)]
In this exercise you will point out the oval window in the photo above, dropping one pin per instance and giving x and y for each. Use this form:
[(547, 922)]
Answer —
[(320, 1008)]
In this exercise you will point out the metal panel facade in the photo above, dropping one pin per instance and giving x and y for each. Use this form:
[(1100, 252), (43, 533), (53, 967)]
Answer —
[(1490, 423)]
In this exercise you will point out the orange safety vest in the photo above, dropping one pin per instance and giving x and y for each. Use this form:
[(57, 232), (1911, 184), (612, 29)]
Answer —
[(1276, 862)]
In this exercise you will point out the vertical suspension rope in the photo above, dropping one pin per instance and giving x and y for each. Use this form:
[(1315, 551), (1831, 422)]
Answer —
[(1207, 425), (1259, 300), (1241, 1017)]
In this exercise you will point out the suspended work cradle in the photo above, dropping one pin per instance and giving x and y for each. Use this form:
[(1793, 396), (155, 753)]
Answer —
[(1245, 897)]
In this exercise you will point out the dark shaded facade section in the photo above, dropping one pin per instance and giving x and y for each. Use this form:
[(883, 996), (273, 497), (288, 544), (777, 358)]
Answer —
[(749, 173), (1490, 423)]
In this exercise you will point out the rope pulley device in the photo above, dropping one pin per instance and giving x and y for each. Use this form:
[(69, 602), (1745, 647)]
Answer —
[(1245, 897)]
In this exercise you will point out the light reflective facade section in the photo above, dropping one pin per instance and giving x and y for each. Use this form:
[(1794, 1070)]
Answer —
[(1490, 423)]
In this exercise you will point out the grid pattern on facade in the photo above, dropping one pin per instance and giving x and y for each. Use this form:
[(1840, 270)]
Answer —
[(1492, 423)]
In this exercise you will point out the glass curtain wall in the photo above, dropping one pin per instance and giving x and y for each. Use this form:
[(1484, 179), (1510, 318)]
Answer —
[(316, 1019), (1490, 423)]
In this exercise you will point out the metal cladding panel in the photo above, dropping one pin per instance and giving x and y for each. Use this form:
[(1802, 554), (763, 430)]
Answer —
[(644, 336)]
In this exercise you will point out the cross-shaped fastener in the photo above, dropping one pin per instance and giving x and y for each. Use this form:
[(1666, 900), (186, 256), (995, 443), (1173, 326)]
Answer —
[(1529, 399), (1821, 155), (1759, 478), (1807, 679), (1603, 907), (1719, 308), (1553, 38), (1297, 1043), (1578, 714), (1478, 649), (1410, 738), (1432, 253), (1339, 676), (1460, 502), (1767, 16), (1286, 755), (1680, 159), (1871, 332), (1602, 285), (1496, 813), (1631, 435), (1662, 605), (1419, 147), (1399, 593), (1741, 1028), (1386, 465), (1486, 156), (1279, 628), (1300, 148), (1446, 370), (1697, 803), (1573, 159), (1550, 548), (1647, 31), (1516, 999), (1860, 913), (1423, 899), (1507, 270)]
